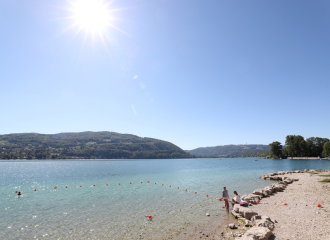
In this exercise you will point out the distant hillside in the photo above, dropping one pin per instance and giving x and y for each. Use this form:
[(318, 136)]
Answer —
[(252, 150), (86, 145)]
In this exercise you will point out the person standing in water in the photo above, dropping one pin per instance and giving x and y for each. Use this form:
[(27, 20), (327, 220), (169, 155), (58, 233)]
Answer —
[(225, 196)]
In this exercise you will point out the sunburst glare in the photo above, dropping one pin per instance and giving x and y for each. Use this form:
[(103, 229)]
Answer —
[(92, 15)]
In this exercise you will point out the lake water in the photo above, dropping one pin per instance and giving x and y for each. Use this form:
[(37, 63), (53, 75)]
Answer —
[(112, 211)]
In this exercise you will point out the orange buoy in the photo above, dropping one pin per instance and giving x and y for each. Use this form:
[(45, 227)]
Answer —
[(207, 195), (285, 204), (148, 181), (55, 187), (150, 217), (319, 205), (195, 192)]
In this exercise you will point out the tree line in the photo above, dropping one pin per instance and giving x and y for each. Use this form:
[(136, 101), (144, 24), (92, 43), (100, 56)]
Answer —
[(297, 146)]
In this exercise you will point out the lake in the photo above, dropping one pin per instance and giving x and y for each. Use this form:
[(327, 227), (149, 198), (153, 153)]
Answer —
[(118, 206)]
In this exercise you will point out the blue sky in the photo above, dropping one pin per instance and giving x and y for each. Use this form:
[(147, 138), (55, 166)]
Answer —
[(206, 73)]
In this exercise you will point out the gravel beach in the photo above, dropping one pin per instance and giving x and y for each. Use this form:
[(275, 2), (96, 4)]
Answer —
[(301, 218)]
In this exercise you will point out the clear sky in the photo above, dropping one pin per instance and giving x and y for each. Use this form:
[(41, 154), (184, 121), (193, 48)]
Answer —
[(192, 72)]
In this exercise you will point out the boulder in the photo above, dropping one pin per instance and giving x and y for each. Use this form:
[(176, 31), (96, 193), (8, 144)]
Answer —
[(269, 188), (263, 221), (236, 208), (258, 192), (295, 179), (242, 210), (281, 173), (251, 198), (257, 233), (306, 170), (264, 176), (232, 226), (254, 218), (297, 171), (248, 214), (278, 187), (288, 181), (267, 192)]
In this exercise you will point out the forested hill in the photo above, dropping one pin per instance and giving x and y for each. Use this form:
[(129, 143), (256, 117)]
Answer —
[(86, 145), (231, 151)]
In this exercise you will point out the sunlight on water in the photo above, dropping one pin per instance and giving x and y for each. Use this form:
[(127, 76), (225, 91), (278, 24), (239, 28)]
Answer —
[(78, 209)]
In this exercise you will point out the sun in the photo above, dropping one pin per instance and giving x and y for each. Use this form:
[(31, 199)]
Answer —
[(91, 15)]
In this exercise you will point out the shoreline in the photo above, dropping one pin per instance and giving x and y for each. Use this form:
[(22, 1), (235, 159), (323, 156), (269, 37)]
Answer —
[(290, 211)]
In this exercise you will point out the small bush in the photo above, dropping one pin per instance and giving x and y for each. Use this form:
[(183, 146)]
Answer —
[(326, 180)]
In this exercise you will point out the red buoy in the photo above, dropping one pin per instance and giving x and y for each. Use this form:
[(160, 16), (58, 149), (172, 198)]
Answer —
[(93, 185), (207, 195), (36, 190), (66, 186), (186, 190), (319, 205), (118, 183), (170, 185), (178, 187), (16, 191), (223, 206), (285, 204), (155, 183), (107, 184), (141, 182), (162, 184), (130, 183), (150, 217), (257, 201), (195, 192)]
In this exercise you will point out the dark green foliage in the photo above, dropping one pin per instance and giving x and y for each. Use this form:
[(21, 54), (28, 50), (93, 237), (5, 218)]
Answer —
[(231, 151), (88, 145), (326, 149), (298, 147), (325, 180), (275, 149)]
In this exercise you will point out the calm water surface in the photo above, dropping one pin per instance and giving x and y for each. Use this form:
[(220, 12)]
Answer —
[(112, 211)]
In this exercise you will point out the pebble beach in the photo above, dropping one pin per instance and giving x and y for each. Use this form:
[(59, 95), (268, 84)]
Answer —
[(299, 211)]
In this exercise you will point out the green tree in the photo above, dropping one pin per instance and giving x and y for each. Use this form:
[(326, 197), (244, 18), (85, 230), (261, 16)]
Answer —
[(296, 146), (326, 149), (275, 149)]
